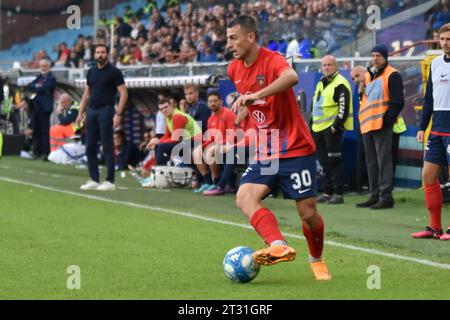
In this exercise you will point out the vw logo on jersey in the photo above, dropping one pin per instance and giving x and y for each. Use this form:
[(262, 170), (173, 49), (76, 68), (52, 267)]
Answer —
[(259, 116)]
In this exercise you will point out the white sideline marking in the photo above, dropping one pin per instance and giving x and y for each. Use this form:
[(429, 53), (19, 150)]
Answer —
[(235, 224)]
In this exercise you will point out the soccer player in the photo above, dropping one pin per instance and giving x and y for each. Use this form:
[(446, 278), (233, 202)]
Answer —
[(437, 155), (264, 82)]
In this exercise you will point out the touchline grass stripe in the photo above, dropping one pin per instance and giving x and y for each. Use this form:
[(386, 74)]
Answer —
[(225, 222)]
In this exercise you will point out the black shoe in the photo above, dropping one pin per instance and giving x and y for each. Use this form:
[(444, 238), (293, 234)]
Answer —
[(324, 198), (336, 199), (44, 157), (368, 203), (383, 204)]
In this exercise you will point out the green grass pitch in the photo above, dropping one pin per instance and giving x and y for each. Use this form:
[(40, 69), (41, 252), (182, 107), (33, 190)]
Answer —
[(140, 243)]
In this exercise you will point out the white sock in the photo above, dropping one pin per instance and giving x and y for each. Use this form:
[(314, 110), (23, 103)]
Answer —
[(312, 259), (278, 242)]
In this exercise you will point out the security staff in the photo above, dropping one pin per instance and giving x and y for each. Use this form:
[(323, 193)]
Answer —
[(332, 114), (103, 82), (380, 109)]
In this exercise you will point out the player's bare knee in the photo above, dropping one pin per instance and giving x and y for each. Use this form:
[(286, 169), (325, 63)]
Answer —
[(241, 200), (307, 209)]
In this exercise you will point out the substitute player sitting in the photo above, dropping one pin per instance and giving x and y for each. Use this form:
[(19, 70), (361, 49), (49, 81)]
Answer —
[(220, 129)]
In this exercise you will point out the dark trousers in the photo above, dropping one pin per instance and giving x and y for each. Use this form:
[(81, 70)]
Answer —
[(236, 156), (163, 152), (41, 132), (330, 158), (99, 126), (395, 151), (378, 152), (183, 149)]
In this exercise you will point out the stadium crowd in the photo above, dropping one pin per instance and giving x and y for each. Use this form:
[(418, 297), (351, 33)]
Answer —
[(153, 35)]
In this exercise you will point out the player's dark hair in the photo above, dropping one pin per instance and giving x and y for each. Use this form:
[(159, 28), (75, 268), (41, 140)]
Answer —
[(163, 100), (246, 22), (102, 45), (214, 93), (120, 133)]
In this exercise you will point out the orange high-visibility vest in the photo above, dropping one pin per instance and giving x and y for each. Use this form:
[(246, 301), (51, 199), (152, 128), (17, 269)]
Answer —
[(375, 101)]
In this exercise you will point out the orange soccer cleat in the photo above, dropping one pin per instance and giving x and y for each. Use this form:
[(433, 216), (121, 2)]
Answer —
[(320, 270), (274, 254), (429, 232), (445, 236)]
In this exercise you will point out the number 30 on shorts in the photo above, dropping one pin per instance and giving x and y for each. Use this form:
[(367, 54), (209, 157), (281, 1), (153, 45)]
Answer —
[(302, 179)]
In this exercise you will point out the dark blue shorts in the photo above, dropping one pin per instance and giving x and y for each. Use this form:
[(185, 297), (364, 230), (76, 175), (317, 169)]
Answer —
[(296, 177), (438, 150)]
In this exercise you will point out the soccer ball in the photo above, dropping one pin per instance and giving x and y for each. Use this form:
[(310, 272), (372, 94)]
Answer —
[(239, 265)]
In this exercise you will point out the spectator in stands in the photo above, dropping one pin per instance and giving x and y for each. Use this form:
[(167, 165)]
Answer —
[(100, 37), (33, 64), (196, 107), (263, 15), (44, 86), (115, 59), (63, 54), (435, 46), (442, 16), (337, 9), (89, 49), (123, 29), (206, 53), (292, 48), (73, 60), (125, 56), (67, 114), (305, 47), (126, 153), (156, 21), (128, 14), (390, 8), (150, 7), (361, 18)]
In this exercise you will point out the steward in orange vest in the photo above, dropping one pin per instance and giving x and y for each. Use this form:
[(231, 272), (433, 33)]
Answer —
[(383, 100), (380, 108)]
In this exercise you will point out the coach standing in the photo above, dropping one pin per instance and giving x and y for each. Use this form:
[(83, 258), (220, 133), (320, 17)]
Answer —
[(103, 82), (44, 87)]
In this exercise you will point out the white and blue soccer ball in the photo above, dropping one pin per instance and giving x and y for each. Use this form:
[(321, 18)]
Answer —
[(239, 265)]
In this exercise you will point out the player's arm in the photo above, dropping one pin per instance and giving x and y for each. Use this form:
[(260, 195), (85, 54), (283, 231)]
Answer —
[(122, 89), (342, 97), (287, 79), (179, 126), (427, 110), (83, 104)]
